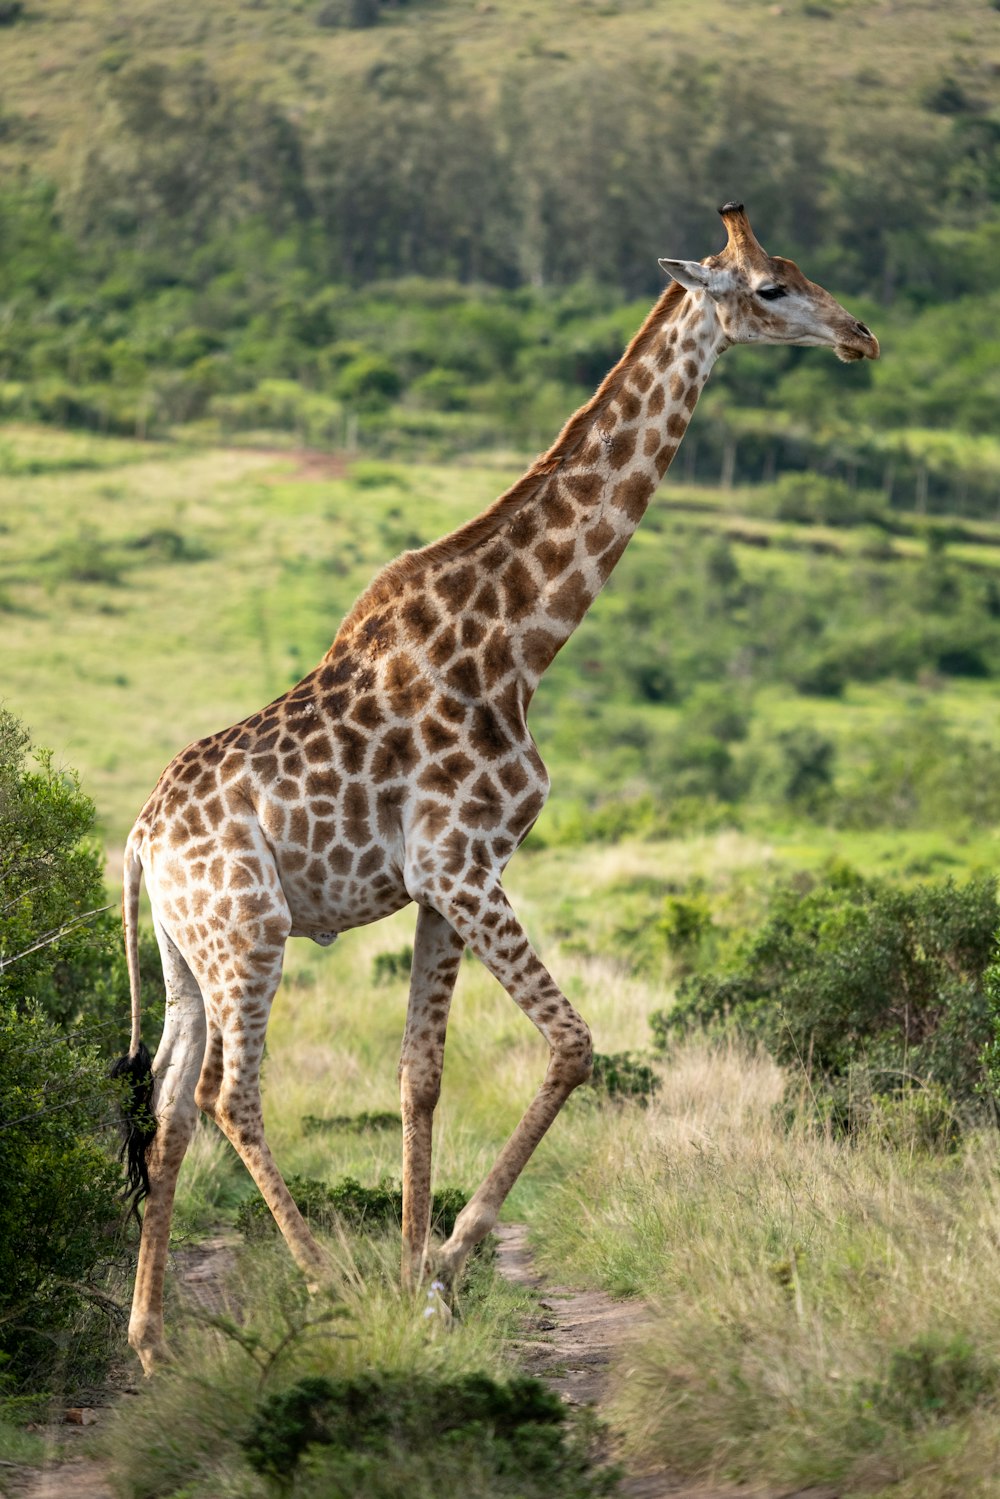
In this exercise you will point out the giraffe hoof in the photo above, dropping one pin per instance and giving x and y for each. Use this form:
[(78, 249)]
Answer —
[(153, 1358), (438, 1310)]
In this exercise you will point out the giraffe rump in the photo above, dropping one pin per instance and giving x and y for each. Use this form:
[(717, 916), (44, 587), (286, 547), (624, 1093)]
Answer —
[(137, 1122)]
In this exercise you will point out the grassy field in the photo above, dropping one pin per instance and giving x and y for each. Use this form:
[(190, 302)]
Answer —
[(152, 593), (822, 1309)]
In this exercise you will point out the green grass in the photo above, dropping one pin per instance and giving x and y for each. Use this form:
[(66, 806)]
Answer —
[(154, 593), (100, 669), (802, 1289), (794, 1281)]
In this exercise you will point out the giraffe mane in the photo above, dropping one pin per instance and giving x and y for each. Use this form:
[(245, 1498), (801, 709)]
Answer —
[(385, 586)]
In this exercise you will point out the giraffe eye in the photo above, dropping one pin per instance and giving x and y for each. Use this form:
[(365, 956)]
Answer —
[(771, 293)]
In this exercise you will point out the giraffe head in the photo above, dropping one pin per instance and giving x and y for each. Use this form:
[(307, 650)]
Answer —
[(765, 299)]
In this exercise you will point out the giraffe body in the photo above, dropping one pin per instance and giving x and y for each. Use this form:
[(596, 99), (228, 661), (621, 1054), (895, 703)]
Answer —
[(402, 769)]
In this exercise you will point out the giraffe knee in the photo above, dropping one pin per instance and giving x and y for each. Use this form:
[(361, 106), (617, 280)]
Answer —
[(206, 1091), (236, 1110), (419, 1087), (572, 1054)]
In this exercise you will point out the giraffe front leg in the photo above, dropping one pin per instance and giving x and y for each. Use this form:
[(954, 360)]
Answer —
[(437, 953), (485, 922)]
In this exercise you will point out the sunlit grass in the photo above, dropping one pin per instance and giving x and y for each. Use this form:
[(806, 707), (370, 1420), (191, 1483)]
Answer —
[(184, 1432), (785, 1269)]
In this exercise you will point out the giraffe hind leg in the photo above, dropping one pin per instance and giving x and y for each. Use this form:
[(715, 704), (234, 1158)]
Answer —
[(175, 1072), (228, 1090)]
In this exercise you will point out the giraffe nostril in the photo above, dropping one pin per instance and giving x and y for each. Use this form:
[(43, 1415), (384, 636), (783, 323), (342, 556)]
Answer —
[(862, 329)]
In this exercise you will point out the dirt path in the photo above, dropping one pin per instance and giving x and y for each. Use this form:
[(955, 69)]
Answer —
[(68, 1472), (571, 1346)]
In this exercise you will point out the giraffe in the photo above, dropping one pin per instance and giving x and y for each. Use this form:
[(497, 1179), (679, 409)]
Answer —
[(402, 769)]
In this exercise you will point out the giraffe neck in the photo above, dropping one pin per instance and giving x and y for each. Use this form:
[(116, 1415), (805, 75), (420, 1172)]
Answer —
[(604, 468), (497, 598)]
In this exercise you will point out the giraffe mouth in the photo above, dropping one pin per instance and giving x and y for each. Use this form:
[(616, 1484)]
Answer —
[(860, 344)]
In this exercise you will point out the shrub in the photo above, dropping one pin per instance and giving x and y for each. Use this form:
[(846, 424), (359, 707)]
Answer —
[(622, 1078), (58, 1207), (60, 947), (875, 989), (811, 498), (355, 1124), (392, 967), (369, 381), (353, 1429), (370, 474), (933, 1379), (369, 1208)]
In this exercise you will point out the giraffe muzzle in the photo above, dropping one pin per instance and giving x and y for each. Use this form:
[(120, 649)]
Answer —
[(860, 343)]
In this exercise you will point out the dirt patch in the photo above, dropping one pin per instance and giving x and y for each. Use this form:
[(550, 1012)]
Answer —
[(67, 1473), (308, 463), (571, 1344), (202, 1270), (577, 1333)]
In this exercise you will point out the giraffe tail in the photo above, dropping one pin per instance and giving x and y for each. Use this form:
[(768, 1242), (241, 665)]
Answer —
[(138, 1122)]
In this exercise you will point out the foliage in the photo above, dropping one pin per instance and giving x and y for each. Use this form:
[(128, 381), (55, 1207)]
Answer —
[(59, 1206), (811, 498), (392, 967), (355, 1124), (622, 1078), (370, 1209), (872, 988), (933, 1379), (60, 946), (50, 877), (353, 1428)]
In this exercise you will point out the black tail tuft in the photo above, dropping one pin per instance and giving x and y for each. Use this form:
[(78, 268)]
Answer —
[(138, 1123)]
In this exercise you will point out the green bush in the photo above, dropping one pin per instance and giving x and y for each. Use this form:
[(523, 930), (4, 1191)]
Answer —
[(382, 1433), (621, 1077), (933, 1379), (372, 1209), (58, 1207), (392, 967), (811, 498), (354, 1124), (874, 989), (369, 381), (60, 944)]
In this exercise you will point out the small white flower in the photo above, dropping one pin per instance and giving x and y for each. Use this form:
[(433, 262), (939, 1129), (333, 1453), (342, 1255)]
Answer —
[(428, 1311)]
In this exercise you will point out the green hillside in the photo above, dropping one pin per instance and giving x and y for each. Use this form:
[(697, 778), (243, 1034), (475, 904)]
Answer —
[(850, 65), (432, 234)]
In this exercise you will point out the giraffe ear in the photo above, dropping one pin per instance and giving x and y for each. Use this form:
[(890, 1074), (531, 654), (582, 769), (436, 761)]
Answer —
[(693, 275)]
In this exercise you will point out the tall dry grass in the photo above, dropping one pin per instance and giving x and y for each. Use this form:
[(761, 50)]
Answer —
[(822, 1311)]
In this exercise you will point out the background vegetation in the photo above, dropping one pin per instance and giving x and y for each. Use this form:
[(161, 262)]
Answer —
[(286, 288)]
